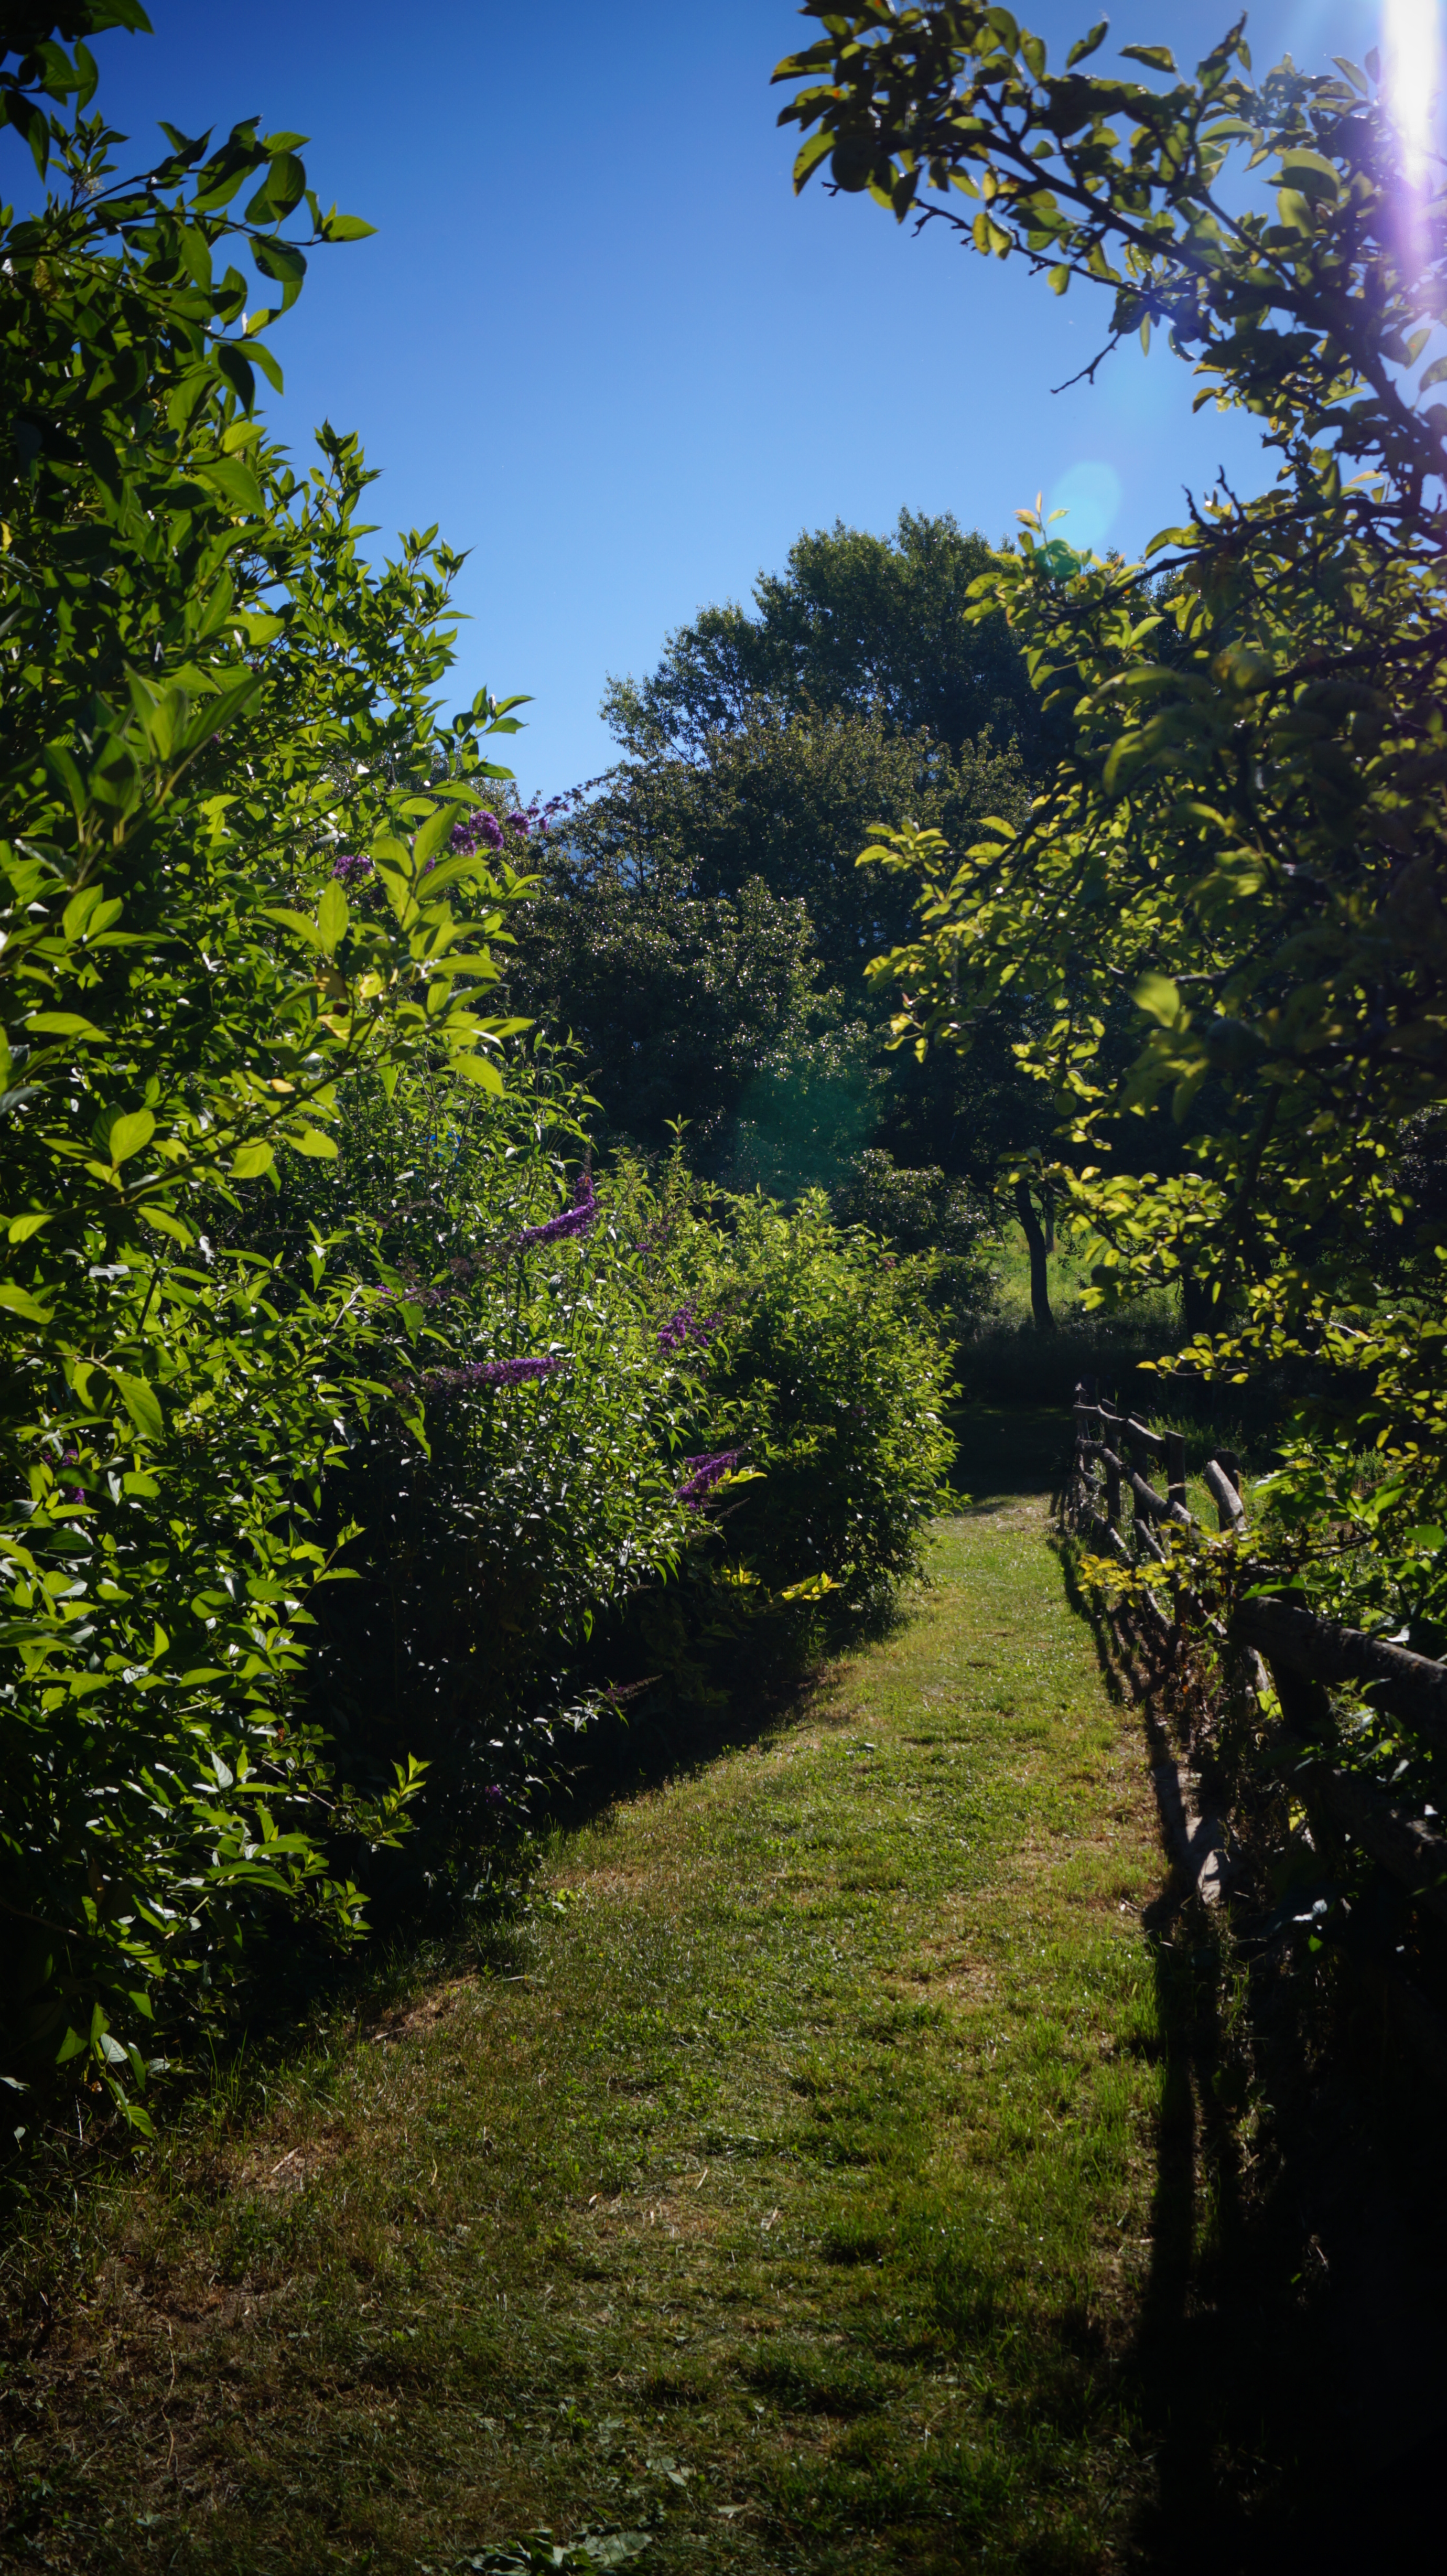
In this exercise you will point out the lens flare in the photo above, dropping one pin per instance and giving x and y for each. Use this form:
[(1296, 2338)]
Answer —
[(1089, 495), (1412, 53)]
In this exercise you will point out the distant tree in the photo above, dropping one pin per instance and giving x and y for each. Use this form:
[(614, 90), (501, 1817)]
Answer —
[(858, 624), (702, 931), (676, 1002)]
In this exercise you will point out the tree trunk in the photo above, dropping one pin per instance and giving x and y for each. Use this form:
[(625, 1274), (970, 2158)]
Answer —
[(1198, 1313), (1039, 1276)]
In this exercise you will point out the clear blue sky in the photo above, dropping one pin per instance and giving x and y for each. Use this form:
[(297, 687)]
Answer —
[(601, 343)]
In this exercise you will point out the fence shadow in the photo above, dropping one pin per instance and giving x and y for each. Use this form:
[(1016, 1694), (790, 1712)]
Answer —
[(1270, 2450)]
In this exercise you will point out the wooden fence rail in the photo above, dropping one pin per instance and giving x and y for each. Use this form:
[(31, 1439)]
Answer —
[(1300, 1655)]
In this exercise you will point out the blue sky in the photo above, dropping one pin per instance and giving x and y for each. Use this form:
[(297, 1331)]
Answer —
[(601, 343)]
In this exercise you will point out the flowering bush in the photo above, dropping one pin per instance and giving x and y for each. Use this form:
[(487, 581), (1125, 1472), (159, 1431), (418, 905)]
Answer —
[(296, 1290), (654, 1395), (220, 727), (529, 1479)]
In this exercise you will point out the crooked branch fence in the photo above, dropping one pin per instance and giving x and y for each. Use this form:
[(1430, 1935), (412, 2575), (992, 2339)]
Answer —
[(1300, 1656)]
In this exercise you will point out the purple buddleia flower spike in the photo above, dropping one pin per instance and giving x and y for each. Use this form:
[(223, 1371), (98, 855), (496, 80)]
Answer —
[(674, 1335), (519, 1372), (478, 831), (705, 1473), (685, 1327), (351, 866), (577, 1219)]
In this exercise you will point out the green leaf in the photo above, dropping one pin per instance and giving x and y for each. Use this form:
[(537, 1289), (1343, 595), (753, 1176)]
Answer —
[(283, 187), (296, 921), (1301, 165), (66, 1024), (1157, 58), (476, 1069), (130, 1133), (284, 264), (431, 836), (18, 1301), (165, 1221), (260, 356), (250, 1161), (809, 156), (1085, 46), (1157, 995), (446, 872), (142, 1404), (333, 915), (310, 1140), (235, 366), (235, 482)]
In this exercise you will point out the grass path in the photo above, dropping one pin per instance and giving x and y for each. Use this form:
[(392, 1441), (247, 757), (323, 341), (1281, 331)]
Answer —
[(785, 2198)]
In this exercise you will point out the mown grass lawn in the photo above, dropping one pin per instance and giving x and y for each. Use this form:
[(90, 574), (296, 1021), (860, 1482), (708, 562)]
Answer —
[(782, 2194)]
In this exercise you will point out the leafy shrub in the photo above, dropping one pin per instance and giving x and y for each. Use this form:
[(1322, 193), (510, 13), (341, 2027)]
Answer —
[(829, 1377), (653, 1415), (340, 1412), (212, 697), (926, 1211), (527, 1482)]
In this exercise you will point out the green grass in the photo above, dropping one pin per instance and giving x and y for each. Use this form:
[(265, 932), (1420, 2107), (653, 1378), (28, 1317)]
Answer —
[(1008, 1368), (799, 2187), (848, 2162), (1068, 1267)]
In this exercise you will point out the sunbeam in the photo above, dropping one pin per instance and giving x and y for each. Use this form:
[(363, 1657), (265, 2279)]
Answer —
[(1412, 47)]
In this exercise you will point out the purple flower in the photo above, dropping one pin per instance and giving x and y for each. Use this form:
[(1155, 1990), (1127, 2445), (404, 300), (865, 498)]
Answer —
[(493, 1793), (351, 867), (519, 1372), (577, 1219), (705, 1473), (480, 829), (685, 1327)]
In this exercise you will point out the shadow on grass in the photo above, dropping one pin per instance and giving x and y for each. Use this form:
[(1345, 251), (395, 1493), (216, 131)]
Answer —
[(1007, 1451)]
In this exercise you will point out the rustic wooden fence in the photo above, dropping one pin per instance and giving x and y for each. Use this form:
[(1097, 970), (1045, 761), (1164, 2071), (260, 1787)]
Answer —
[(1271, 1643)]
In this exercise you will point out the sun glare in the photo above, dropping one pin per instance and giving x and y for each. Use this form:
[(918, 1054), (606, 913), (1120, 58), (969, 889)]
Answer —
[(1411, 33)]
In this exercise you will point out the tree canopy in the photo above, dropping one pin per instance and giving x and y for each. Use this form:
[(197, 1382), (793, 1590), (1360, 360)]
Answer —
[(1245, 833), (860, 624), (702, 930)]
